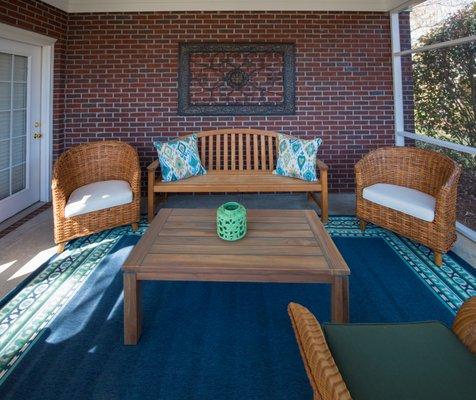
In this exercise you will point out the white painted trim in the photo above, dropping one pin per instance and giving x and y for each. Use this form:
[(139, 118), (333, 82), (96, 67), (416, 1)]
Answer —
[(438, 142), (466, 231), (46, 145), (397, 80), (24, 36), (81, 6), (441, 45)]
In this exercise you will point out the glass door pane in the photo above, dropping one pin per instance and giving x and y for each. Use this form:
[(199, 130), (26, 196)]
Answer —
[(13, 114)]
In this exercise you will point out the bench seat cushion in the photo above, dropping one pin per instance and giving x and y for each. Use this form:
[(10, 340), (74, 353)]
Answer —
[(402, 361), (409, 201), (237, 181), (98, 196)]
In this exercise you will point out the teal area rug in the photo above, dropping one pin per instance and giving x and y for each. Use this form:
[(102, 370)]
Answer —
[(393, 279)]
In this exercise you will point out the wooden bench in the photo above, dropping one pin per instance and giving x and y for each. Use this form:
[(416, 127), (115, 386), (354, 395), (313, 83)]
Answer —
[(238, 161)]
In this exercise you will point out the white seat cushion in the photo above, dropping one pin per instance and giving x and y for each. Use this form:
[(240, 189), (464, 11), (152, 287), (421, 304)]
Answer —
[(409, 201), (98, 196)]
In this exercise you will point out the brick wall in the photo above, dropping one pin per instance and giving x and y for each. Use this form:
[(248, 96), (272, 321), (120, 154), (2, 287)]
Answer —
[(116, 76), (41, 18), (121, 79)]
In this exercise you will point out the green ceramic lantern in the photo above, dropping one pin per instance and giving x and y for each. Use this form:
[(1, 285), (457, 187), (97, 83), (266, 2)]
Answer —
[(231, 221)]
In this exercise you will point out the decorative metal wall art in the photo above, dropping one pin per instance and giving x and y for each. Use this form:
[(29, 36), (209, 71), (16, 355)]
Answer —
[(236, 79)]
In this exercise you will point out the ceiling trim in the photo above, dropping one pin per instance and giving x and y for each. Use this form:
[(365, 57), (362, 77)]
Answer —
[(83, 6)]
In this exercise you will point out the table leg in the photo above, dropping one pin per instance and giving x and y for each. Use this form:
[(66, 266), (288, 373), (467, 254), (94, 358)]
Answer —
[(340, 299), (132, 309)]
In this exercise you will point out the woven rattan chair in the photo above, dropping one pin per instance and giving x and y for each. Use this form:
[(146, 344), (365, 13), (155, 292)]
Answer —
[(87, 164), (425, 171), (326, 374)]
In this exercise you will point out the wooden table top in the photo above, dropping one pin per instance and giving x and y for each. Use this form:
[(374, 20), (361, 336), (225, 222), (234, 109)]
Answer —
[(280, 246)]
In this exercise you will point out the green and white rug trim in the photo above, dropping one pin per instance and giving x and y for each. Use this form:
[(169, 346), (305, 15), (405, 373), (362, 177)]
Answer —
[(29, 312)]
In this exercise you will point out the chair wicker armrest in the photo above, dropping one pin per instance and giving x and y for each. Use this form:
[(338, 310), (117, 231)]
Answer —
[(366, 172), (320, 366), (445, 208), (132, 170), (62, 185), (464, 325)]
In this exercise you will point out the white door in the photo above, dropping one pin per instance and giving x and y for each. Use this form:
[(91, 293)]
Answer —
[(20, 126)]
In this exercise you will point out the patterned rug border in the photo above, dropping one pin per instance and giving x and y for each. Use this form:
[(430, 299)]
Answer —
[(451, 283), (87, 254), (28, 313)]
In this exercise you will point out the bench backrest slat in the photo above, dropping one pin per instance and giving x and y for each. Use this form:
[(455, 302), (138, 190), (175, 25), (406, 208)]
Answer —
[(225, 152), (270, 151), (248, 151), (210, 152), (238, 149), (233, 151), (263, 152), (255, 152), (203, 149)]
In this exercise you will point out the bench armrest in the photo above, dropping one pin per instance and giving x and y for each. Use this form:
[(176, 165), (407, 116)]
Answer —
[(153, 166), (322, 165)]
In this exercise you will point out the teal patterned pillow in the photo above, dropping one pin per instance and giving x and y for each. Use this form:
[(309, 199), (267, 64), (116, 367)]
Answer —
[(297, 157), (179, 158)]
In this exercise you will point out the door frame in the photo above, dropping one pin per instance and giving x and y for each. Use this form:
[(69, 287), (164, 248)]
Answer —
[(47, 60)]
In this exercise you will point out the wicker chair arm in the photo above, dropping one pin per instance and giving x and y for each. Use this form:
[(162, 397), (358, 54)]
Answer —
[(133, 172), (445, 207), (63, 183), (365, 173), (320, 366), (464, 325)]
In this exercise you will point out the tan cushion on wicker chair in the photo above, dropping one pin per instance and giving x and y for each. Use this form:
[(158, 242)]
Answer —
[(409, 201), (98, 196)]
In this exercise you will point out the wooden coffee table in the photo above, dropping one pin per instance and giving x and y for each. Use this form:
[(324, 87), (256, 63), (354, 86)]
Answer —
[(280, 246)]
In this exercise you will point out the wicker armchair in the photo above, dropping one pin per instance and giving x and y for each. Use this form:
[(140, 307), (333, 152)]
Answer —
[(323, 372), (86, 164), (423, 170)]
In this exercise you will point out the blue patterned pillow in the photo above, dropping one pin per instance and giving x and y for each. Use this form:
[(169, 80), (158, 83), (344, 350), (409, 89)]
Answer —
[(297, 157), (179, 158)]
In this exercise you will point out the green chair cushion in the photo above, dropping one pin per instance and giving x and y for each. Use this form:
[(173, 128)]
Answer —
[(402, 361)]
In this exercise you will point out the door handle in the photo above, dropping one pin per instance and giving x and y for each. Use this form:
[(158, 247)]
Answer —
[(37, 135)]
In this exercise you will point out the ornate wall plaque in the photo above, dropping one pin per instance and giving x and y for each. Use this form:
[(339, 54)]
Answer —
[(236, 79)]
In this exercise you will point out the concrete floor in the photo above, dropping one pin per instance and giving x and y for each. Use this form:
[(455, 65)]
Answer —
[(29, 246), (25, 249)]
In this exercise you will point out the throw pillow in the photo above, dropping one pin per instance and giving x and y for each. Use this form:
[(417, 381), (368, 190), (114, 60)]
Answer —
[(297, 157), (179, 158)]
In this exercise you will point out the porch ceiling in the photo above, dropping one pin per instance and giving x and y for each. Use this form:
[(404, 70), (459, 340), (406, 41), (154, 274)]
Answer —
[(78, 6)]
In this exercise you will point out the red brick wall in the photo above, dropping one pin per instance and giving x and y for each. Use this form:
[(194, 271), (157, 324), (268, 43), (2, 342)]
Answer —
[(39, 17), (121, 79), (116, 76)]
